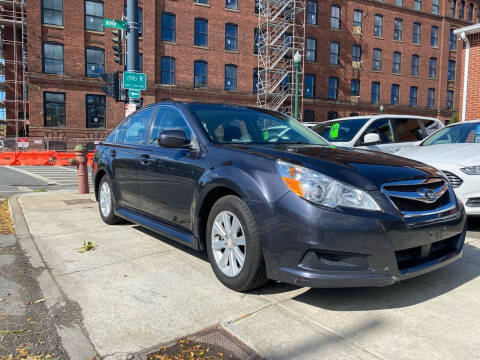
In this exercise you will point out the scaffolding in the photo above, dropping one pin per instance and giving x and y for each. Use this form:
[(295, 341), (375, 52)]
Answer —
[(13, 69), (281, 34)]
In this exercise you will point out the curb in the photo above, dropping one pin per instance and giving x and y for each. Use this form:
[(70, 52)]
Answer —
[(74, 338)]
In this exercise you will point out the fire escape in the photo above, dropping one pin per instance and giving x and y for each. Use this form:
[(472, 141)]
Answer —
[(281, 34)]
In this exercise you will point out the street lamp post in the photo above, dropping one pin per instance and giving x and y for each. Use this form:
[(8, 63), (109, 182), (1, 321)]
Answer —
[(296, 60)]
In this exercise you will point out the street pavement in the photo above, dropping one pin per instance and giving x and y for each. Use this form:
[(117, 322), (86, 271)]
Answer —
[(137, 290)]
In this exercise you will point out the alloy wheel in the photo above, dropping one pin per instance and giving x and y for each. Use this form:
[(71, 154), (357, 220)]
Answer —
[(105, 199)]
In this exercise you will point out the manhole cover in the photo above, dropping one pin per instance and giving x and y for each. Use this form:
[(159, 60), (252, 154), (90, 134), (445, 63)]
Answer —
[(214, 343), (78, 201)]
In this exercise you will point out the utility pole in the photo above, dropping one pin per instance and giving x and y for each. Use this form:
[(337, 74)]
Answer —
[(132, 39)]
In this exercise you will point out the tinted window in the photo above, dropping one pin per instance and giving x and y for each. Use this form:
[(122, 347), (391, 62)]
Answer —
[(407, 130), (121, 131), (383, 129), (137, 127), (167, 119), (341, 131), (462, 133)]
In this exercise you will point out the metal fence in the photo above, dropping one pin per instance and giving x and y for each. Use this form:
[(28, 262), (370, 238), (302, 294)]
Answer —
[(44, 143)]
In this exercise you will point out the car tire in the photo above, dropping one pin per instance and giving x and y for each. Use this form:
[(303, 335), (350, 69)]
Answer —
[(251, 274), (106, 202)]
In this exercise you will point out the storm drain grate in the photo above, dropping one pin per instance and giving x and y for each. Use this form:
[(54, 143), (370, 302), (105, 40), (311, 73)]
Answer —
[(78, 201), (213, 343)]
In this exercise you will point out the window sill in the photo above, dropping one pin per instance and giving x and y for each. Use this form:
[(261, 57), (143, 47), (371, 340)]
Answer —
[(199, 4), (434, 47), (377, 71), (232, 10), (311, 62), (169, 43), (232, 51), (398, 41), (54, 26), (454, 51), (379, 37), (95, 32), (168, 85), (397, 74), (430, 78), (201, 47), (333, 29), (451, 81), (359, 34), (416, 44), (415, 76)]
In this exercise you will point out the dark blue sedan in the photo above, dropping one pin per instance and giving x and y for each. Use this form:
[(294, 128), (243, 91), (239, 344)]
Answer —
[(270, 199)]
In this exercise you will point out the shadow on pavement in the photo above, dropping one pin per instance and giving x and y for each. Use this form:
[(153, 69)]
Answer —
[(473, 224)]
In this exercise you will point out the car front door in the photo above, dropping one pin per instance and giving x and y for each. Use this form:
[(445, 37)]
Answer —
[(383, 128), (168, 177), (126, 159)]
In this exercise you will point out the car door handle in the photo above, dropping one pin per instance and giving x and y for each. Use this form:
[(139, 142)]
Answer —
[(145, 159), (113, 153)]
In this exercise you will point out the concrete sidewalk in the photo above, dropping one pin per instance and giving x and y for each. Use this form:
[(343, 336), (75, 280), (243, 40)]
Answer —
[(138, 290)]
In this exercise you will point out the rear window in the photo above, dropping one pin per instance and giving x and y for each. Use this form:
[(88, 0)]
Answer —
[(407, 130), (341, 131)]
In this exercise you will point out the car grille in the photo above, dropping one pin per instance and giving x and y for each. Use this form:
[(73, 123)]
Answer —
[(420, 197), (473, 202), (454, 180)]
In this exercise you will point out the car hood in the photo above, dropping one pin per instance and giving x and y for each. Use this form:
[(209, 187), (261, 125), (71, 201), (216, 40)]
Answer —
[(361, 168), (467, 154)]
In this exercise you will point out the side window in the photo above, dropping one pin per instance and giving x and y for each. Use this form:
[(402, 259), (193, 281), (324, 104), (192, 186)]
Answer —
[(407, 130), (168, 119), (137, 127), (383, 129), (431, 126), (121, 132)]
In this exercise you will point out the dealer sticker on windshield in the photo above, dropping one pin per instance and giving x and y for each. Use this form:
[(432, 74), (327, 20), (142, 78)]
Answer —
[(334, 131)]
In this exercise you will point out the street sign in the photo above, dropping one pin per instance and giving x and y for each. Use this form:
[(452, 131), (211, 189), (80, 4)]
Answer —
[(116, 24), (22, 142), (134, 94), (134, 81)]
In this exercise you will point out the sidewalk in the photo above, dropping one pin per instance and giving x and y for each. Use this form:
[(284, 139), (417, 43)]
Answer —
[(138, 290)]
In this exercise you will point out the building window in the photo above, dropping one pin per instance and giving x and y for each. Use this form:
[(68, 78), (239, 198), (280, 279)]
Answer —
[(52, 12), (375, 96), (201, 32), (453, 5), (255, 80), (470, 12), (53, 109), (309, 86), (168, 70), (398, 30), (333, 88), (415, 65), (432, 68), (94, 62), (230, 77), (334, 53), (257, 6), (231, 4), (140, 62), (231, 35), (168, 27), (397, 62), (311, 53), (312, 12), (399, 2), (200, 74), (94, 15), (417, 4), (335, 18), (461, 10), (377, 59), (357, 21), (52, 58), (435, 7), (140, 22), (449, 102), (357, 54), (204, 2), (413, 96), (453, 41), (308, 116), (378, 26), (285, 84), (332, 115), (451, 70), (394, 98), (431, 98), (417, 29), (434, 37), (258, 41), (95, 111), (355, 87)]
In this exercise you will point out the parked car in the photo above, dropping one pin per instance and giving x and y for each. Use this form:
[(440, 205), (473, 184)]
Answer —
[(286, 206), (455, 150), (310, 124), (2, 145), (385, 133)]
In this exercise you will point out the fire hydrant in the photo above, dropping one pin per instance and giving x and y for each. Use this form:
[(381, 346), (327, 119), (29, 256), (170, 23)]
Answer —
[(81, 160)]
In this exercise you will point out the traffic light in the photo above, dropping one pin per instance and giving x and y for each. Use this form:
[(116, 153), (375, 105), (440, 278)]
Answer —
[(118, 46), (112, 88)]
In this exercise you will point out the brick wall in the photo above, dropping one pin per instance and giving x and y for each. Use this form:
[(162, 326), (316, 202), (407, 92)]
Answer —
[(473, 92)]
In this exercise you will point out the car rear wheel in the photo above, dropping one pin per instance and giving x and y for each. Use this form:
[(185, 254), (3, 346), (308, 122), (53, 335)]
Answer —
[(106, 202), (233, 245)]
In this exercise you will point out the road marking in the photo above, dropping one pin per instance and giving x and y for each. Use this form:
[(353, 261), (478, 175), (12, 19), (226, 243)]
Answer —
[(39, 177)]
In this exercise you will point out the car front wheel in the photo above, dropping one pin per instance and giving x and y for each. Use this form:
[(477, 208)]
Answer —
[(233, 245)]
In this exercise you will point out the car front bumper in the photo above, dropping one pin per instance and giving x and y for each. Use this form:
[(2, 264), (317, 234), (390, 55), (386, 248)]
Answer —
[(308, 245)]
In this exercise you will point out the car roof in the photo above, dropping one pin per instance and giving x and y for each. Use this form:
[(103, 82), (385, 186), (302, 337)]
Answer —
[(465, 122), (381, 116)]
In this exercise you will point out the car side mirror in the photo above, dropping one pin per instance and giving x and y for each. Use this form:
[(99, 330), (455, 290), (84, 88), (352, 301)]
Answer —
[(370, 139), (172, 139)]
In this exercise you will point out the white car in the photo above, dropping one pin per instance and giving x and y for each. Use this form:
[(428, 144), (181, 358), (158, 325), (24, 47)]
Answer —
[(310, 124), (386, 133), (455, 150)]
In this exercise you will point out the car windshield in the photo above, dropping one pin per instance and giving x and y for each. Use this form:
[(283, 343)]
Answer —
[(461, 133), (340, 131), (226, 124)]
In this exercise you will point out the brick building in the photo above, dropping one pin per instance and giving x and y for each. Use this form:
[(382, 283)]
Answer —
[(360, 54)]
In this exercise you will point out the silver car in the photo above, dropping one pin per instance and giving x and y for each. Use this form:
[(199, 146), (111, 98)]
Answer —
[(386, 133)]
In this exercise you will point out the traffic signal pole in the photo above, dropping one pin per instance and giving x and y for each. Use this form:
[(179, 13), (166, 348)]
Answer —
[(132, 39)]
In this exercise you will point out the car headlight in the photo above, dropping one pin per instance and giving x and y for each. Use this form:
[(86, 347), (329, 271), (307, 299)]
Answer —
[(472, 170), (324, 190)]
